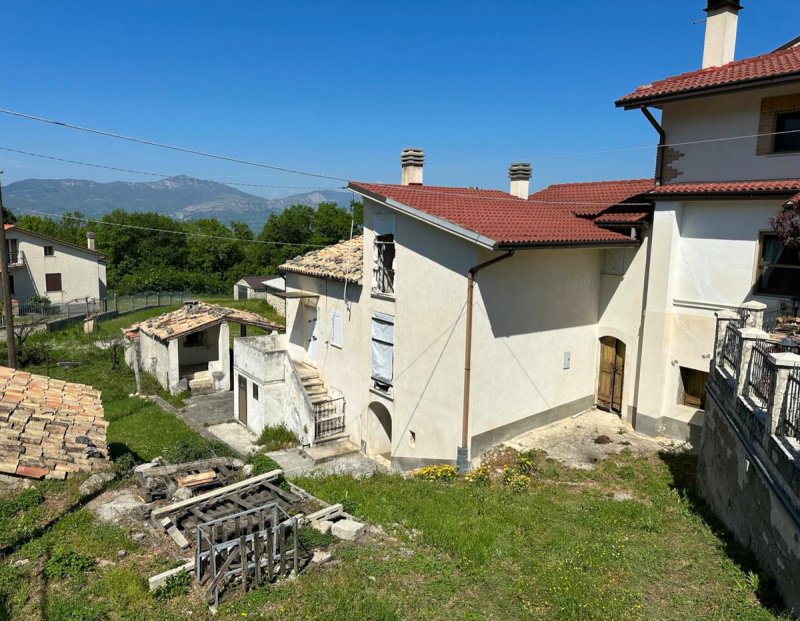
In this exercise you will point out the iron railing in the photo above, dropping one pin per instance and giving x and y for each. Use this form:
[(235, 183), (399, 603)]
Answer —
[(383, 280), (761, 375), (329, 418), (732, 351), (789, 423), (15, 258)]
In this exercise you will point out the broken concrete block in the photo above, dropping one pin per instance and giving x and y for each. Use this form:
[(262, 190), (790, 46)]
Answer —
[(349, 530), (95, 482), (181, 493), (161, 579), (320, 557), (324, 526)]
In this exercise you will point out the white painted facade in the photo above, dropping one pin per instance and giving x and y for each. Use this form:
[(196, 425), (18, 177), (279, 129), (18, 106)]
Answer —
[(82, 271)]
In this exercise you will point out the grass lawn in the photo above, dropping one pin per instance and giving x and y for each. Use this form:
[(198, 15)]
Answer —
[(626, 541)]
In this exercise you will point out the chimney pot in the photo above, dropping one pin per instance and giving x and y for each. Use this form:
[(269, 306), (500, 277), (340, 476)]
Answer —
[(520, 175), (721, 25), (412, 162), (90, 240)]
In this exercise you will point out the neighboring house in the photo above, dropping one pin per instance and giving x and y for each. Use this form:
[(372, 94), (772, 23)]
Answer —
[(39, 265), (731, 166), (189, 349), (268, 288)]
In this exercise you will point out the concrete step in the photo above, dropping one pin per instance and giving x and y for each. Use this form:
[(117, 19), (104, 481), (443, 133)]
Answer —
[(319, 398), (316, 390), (305, 371), (311, 382), (326, 451)]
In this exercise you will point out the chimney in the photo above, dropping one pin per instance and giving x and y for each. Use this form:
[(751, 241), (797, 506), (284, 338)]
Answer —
[(90, 240), (721, 24), (412, 161), (520, 175)]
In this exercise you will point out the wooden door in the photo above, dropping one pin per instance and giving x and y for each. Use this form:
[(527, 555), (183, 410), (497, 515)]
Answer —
[(242, 399), (612, 369)]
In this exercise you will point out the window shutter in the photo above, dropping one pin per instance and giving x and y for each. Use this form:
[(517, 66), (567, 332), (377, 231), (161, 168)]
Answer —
[(382, 348), (52, 282), (336, 329)]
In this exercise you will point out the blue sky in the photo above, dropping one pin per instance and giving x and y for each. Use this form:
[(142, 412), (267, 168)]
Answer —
[(341, 87)]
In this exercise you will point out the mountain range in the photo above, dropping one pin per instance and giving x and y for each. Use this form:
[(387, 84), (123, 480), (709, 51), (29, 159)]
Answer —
[(181, 197)]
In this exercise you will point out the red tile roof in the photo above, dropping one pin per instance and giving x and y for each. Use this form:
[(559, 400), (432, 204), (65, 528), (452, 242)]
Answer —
[(772, 186), (778, 64), (495, 218)]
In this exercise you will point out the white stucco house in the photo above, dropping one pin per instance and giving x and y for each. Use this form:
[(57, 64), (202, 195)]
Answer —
[(266, 288), (39, 265)]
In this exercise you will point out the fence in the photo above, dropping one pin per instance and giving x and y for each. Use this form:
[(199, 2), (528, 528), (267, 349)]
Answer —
[(760, 374), (790, 411), (732, 351), (328, 418)]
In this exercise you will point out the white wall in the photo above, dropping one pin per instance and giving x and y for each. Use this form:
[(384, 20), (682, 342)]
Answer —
[(82, 273), (725, 116)]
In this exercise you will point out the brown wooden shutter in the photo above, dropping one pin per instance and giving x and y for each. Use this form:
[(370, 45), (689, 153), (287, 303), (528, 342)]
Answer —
[(52, 282)]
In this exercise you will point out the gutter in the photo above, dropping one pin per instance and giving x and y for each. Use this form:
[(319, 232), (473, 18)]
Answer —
[(462, 458), (662, 141)]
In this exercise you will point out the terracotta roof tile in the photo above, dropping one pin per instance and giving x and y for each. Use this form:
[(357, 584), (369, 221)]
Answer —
[(780, 63), (194, 316), (49, 427), (545, 218), (342, 261), (770, 186)]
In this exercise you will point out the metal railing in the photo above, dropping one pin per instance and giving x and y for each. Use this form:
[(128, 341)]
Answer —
[(329, 418), (732, 351), (789, 424), (15, 258), (383, 281), (761, 374)]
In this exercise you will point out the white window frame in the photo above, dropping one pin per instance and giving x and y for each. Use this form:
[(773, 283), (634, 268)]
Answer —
[(382, 374)]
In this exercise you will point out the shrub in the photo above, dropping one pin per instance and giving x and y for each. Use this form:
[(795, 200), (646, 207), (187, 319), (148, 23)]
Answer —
[(176, 584), (514, 479), (263, 463), (481, 475), (187, 450), (124, 464), (786, 224), (311, 538), (438, 472), (39, 300), (66, 562), (277, 438)]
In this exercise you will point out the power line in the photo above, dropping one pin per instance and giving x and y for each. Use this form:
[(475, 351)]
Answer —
[(159, 175), (157, 230), (153, 143)]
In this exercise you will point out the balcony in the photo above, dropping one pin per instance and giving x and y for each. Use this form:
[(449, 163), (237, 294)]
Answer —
[(15, 259)]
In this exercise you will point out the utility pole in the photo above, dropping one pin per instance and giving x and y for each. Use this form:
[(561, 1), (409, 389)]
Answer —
[(6, 282)]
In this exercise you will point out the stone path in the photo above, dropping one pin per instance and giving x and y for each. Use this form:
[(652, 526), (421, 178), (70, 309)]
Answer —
[(235, 435)]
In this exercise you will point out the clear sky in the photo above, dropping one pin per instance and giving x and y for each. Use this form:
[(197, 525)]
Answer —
[(341, 87)]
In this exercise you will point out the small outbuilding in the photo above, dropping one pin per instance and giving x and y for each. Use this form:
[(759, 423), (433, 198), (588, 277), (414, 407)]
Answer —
[(269, 288), (189, 349)]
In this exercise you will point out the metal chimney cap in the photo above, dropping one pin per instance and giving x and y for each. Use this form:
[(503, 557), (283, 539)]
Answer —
[(90, 235), (412, 157), (715, 5), (520, 171)]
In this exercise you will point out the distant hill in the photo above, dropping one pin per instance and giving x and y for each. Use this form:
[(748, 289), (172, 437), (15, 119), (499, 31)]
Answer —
[(183, 198)]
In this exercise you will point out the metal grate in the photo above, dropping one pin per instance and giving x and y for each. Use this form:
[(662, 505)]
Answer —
[(328, 418), (761, 374), (789, 424), (732, 351)]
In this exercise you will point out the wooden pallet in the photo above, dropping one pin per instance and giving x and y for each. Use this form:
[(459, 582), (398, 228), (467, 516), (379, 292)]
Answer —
[(225, 469)]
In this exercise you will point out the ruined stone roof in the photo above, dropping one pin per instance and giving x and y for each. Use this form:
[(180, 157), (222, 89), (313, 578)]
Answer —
[(49, 427), (194, 316), (342, 261)]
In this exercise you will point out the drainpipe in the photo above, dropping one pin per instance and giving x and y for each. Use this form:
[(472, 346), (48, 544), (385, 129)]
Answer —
[(462, 458), (662, 141)]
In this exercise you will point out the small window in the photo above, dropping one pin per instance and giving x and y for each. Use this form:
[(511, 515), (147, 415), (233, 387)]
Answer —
[(779, 267), (787, 132), (11, 284), (382, 351), (383, 274), (336, 329), (49, 251), (255, 391), (614, 262), (693, 388), (52, 282), (196, 339)]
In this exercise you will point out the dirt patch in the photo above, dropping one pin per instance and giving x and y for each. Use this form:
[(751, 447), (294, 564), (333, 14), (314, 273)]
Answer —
[(604, 439)]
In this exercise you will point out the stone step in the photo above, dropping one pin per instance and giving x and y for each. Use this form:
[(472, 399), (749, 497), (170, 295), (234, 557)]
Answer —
[(305, 371), (326, 451), (320, 398), (316, 390), (312, 382)]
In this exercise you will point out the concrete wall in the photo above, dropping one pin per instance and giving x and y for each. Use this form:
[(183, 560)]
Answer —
[(200, 354), (263, 360), (724, 116), (82, 273), (154, 356), (704, 258)]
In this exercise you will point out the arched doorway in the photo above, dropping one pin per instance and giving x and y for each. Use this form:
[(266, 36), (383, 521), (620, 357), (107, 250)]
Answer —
[(379, 431), (611, 374)]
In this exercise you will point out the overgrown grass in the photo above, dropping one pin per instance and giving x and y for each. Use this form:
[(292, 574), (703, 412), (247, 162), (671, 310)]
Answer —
[(277, 438)]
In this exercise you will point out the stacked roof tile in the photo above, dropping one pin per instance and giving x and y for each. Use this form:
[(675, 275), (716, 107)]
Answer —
[(49, 427), (784, 63), (343, 261), (550, 217), (195, 316)]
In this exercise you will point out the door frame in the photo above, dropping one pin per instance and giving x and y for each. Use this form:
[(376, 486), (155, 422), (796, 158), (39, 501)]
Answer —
[(241, 395), (611, 371)]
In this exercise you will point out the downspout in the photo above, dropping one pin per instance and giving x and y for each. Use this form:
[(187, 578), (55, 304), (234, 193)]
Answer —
[(462, 458), (662, 141)]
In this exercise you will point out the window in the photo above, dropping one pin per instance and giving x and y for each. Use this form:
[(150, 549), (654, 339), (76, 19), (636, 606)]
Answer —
[(383, 254), (196, 339), (614, 262), (787, 132), (779, 267), (693, 388), (11, 284), (49, 251), (382, 351), (255, 391), (52, 282), (336, 329)]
